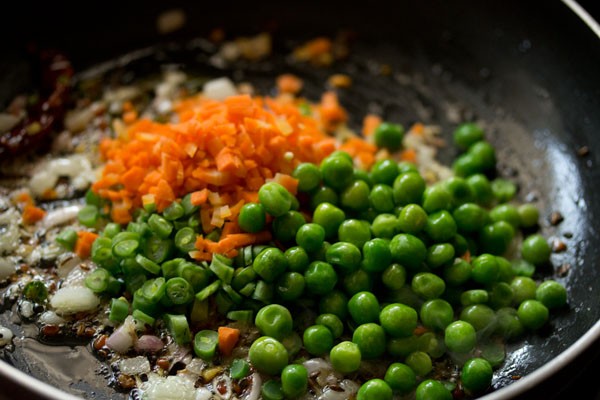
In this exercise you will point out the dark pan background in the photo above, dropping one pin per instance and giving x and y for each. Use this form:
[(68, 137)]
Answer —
[(563, 58)]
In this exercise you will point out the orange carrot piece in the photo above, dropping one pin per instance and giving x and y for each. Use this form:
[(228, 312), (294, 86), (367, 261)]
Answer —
[(24, 197), (32, 214), (409, 155), (199, 197), (370, 123), (83, 246), (228, 338), (289, 83)]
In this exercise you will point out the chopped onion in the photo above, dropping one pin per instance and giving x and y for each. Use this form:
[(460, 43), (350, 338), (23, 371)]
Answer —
[(256, 386), (123, 338), (173, 387), (47, 173), (66, 264), (203, 394), (6, 336), (219, 89), (9, 230), (149, 343), (50, 318), (71, 300), (7, 268), (316, 364), (77, 120), (61, 215), (135, 365), (196, 366)]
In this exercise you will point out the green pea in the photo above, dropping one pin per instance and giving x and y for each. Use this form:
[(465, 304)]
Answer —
[(394, 276), (480, 316), (384, 171), (495, 238), (467, 134), (408, 250), (485, 269), (329, 217), (460, 190), (318, 340), (388, 135), (354, 231), (469, 217), (551, 294), (252, 217), (476, 375), (460, 336), (439, 254), (431, 389), (274, 320), (332, 322), (533, 314), (408, 188), (501, 295), (320, 277), (294, 380), (374, 389), (297, 259), (466, 165), (428, 285), (308, 176), (535, 249), (275, 199), (420, 362), (345, 357), (436, 198), (481, 188), (457, 273), (364, 307), (398, 320), (407, 166), (440, 226), (385, 226), (337, 172), (381, 198), (507, 213), (400, 377), (268, 355), (474, 296), (402, 347), (286, 226), (334, 302), (290, 286), (362, 175), (270, 264), (484, 155), (376, 255), (310, 237), (529, 215), (524, 288), (508, 323), (436, 314), (355, 196), (505, 269), (323, 194), (503, 190), (343, 256), (358, 281), (412, 219), (370, 339)]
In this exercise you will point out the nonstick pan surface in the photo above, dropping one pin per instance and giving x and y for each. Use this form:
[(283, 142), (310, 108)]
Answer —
[(527, 72)]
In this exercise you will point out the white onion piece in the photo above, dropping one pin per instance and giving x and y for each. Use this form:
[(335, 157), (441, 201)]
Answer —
[(135, 365), (7, 268), (50, 318), (149, 343), (77, 120), (61, 216), (203, 394), (219, 89), (123, 338), (71, 300), (47, 174), (196, 366), (6, 336), (316, 364), (173, 387), (9, 224), (256, 385)]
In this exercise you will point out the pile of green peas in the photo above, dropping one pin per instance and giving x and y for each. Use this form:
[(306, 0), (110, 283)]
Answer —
[(397, 270)]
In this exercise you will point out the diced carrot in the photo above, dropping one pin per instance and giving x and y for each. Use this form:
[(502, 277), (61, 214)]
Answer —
[(32, 214), (289, 83), (340, 81), (228, 338), (409, 155), (287, 181), (83, 246), (370, 123), (199, 197), (24, 198)]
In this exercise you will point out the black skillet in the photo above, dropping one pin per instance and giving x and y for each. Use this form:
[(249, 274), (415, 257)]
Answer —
[(529, 71)]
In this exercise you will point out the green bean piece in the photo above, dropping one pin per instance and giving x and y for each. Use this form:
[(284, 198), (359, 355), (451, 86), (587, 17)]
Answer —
[(208, 291), (160, 226), (97, 280), (119, 309), (89, 215), (205, 344), (239, 369), (178, 327), (67, 238), (153, 290)]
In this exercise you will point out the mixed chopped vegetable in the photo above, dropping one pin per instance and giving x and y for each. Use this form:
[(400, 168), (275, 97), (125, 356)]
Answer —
[(239, 246)]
